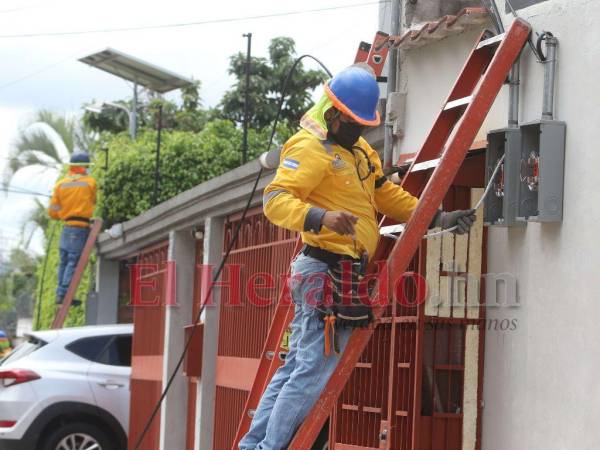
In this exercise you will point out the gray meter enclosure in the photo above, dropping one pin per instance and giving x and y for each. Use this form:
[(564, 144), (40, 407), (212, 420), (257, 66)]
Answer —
[(529, 185), (501, 203), (541, 175)]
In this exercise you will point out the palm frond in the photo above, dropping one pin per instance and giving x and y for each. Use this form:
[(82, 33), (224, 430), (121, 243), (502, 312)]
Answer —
[(64, 126), (34, 148), (36, 219), (36, 139), (47, 140)]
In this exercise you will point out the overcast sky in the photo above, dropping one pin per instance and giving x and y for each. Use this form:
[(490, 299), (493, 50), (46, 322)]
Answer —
[(43, 71)]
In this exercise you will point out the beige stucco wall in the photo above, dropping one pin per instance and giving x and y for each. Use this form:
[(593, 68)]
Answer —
[(541, 389)]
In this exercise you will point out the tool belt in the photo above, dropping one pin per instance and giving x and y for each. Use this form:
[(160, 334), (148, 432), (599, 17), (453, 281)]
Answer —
[(77, 219), (346, 301)]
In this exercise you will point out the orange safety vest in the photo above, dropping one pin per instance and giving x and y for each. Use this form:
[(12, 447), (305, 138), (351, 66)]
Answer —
[(73, 199)]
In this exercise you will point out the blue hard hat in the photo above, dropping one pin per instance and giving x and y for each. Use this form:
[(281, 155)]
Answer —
[(2, 334), (355, 92), (80, 159)]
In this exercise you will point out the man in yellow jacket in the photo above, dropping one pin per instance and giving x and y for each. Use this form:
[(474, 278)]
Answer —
[(73, 201), (329, 187)]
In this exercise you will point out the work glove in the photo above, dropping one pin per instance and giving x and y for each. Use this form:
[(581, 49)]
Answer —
[(462, 219)]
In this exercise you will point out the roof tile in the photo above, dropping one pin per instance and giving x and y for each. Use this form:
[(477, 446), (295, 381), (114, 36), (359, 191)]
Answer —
[(438, 29)]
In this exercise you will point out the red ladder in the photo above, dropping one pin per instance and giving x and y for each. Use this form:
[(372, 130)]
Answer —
[(467, 106), (61, 314), (452, 134)]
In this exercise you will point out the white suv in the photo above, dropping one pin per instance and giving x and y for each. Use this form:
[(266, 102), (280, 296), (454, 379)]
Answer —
[(67, 389)]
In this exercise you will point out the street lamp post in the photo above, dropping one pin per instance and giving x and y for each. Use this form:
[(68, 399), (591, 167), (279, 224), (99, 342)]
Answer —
[(138, 72), (246, 99), (133, 113), (157, 165)]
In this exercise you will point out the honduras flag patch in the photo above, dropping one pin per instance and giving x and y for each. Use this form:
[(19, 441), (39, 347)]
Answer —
[(291, 163)]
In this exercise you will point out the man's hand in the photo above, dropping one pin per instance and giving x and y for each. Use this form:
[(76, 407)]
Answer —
[(461, 219), (339, 221)]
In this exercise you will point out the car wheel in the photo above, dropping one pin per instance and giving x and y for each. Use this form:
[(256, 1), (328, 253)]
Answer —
[(77, 436)]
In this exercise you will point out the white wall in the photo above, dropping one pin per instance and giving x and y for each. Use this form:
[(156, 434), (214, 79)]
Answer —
[(541, 386), (427, 76), (541, 382)]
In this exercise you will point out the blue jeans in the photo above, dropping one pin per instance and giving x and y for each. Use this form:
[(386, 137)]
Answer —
[(72, 241), (296, 385)]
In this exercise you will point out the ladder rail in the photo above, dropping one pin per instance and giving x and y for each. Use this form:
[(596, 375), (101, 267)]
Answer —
[(61, 314), (284, 314), (404, 248)]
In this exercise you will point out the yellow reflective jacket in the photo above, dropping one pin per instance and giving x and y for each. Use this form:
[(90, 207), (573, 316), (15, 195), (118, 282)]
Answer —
[(316, 176), (73, 196)]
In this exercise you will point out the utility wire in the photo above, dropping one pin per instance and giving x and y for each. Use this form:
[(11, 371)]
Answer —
[(189, 24), (217, 274), (476, 207), (37, 72), (23, 191)]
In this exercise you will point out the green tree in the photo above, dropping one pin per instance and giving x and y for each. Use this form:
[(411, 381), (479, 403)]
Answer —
[(266, 81), (188, 116), (46, 283), (17, 289), (112, 120), (187, 159), (46, 143)]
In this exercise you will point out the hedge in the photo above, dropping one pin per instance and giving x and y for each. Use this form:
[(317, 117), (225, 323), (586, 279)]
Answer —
[(48, 281), (126, 189)]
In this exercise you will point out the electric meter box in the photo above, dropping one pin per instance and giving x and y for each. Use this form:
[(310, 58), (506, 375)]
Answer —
[(501, 203), (541, 173)]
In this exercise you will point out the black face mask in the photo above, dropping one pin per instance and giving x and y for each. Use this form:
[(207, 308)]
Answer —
[(347, 134)]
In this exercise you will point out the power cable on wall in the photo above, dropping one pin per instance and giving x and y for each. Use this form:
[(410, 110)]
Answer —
[(498, 20), (189, 24)]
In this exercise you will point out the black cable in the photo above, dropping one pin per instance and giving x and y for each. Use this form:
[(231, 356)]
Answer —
[(529, 39), (542, 37), (226, 256), (41, 291)]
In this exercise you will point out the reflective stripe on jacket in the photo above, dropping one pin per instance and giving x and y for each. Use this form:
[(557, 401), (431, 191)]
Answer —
[(314, 176), (73, 196)]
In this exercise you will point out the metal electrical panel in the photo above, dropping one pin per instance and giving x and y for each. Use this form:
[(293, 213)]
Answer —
[(501, 203), (541, 174)]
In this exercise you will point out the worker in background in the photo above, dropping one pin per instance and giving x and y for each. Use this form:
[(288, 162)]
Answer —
[(73, 201), (5, 347), (329, 186)]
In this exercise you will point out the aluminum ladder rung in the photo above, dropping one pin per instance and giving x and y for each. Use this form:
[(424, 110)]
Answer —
[(391, 229), (491, 41), (458, 103), (425, 165)]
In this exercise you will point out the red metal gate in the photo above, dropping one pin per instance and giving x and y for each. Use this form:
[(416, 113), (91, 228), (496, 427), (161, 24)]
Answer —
[(396, 386), (423, 367), (262, 250), (148, 344)]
